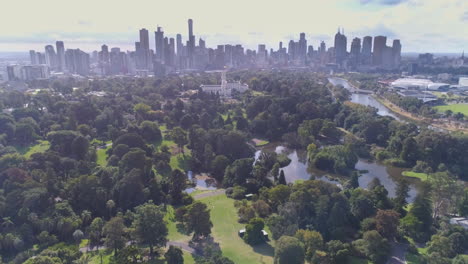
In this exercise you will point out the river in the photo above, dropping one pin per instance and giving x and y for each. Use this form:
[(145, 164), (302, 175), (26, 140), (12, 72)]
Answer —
[(363, 99)]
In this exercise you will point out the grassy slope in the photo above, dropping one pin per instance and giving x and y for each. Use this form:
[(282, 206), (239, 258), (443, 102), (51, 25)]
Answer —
[(225, 228), (462, 108), (421, 176), (41, 146)]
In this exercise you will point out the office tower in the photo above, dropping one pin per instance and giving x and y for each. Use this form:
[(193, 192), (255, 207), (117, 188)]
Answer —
[(144, 49), (396, 52), (190, 43), (117, 61), (171, 52), (292, 50), (366, 53), (180, 45), (302, 48), (201, 44), (219, 57), (310, 51), (380, 42), (340, 47), (159, 43), (40, 58), (323, 47), (33, 57), (280, 45), (50, 57), (355, 52), (138, 64), (77, 61), (60, 55)]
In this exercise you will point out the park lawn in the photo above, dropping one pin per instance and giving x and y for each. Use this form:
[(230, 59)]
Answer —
[(41, 146), (260, 142), (419, 175), (96, 258), (225, 232), (188, 258), (455, 108), (174, 234)]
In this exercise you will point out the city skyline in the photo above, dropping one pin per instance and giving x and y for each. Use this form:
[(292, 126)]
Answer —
[(85, 29)]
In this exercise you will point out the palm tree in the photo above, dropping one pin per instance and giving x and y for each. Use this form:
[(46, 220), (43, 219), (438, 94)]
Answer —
[(110, 205)]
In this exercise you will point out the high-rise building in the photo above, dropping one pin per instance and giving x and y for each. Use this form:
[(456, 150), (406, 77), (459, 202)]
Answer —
[(380, 43), (396, 52), (366, 53), (302, 48), (50, 57), (144, 49), (340, 47), (190, 43), (159, 43), (60, 55), (180, 45), (77, 61), (355, 52), (33, 57), (323, 47)]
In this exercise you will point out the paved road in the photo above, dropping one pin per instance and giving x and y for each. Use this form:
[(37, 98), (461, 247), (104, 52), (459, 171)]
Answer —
[(398, 254)]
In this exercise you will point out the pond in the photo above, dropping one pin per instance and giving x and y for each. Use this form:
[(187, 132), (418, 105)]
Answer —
[(299, 169)]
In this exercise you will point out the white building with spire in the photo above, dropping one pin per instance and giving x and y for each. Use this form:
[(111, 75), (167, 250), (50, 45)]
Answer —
[(225, 89)]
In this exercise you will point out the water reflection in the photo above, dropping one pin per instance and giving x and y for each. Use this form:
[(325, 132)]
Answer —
[(299, 169), (200, 182), (363, 99)]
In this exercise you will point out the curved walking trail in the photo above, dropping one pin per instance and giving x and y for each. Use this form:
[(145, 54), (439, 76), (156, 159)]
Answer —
[(398, 253), (182, 244)]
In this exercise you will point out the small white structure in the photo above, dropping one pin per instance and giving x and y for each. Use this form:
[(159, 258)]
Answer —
[(225, 89)]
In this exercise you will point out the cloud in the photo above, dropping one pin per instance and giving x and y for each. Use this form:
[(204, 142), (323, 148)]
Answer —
[(382, 2)]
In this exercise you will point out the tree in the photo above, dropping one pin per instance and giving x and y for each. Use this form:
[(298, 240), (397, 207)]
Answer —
[(180, 138), (218, 167), (441, 245), (312, 241), (78, 235), (95, 232), (174, 255), (282, 178), (197, 220), (387, 223), (289, 250), (374, 246), (177, 184), (253, 231), (401, 193), (149, 226), (150, 131), (261, 208), (114, 232)]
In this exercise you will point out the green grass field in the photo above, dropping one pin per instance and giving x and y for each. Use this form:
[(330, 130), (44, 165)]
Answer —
[(456, 108), (413, 259), (102, 154), (419, 175), (41, 146), (225, 232)]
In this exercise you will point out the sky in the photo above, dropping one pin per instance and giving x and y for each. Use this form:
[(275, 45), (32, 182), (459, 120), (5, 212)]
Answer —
[(422, 25)]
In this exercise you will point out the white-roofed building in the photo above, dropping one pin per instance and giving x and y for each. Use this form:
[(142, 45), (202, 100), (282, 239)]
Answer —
[(225, 89), (418, 84)]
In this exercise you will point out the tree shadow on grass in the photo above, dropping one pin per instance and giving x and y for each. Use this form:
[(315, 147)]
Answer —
[(181, 229), (264, 249)]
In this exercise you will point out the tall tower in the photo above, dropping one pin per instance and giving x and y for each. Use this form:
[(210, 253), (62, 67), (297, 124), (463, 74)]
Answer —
[(396, 52), (159, 44), (50, 57), (33, 57), (191, 43), (60, 55), (302, 48), (380, 43), (366, 53), (144, 48), (340, 47)]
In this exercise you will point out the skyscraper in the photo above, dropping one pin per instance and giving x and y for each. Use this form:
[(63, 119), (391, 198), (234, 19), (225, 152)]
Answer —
[(77, 61), (179, 44), (355, 51), (159, 43), (396, 52), (33, 57), (190, 43), (60, 55), (380, 42), (340, 47), (50, 57), (366, 53), (144, 49), (302, 48)]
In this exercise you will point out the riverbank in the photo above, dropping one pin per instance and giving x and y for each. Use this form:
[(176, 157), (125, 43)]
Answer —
[(398, 110)]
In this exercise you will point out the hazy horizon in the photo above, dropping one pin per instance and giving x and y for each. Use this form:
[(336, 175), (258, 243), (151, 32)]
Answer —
[(87, 25)]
